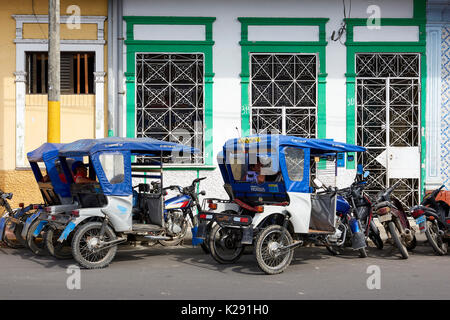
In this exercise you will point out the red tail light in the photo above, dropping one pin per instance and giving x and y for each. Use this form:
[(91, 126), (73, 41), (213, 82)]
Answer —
[(53, 218), (417, 213), (383, 211), (48, 209), (75, 213), (21, 204), (35, 206), (244, 219), (202, 216)]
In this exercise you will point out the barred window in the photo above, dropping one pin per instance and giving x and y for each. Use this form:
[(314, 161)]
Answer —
[(170, 99), (284, 93)]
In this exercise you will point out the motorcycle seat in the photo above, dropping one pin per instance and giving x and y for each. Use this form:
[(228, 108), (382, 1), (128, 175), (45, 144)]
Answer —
[(382, 204)]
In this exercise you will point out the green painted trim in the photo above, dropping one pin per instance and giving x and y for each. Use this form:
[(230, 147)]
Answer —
[(318, 47), (204, 47), (419, 19)]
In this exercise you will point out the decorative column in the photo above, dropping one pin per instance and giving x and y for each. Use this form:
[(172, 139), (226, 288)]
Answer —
[(21, 78), (99, 79)]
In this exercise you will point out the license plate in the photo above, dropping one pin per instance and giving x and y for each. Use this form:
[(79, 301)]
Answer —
[(422, 223), (385, 217)]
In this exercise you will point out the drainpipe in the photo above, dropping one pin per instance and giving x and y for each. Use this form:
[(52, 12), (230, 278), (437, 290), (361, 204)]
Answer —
[(111, 87), (120, 77)]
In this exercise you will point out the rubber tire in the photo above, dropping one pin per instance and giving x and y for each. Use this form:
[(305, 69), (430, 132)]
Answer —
[(51, 240), (376, 239), (76, 246), (179, 239), (334, 250), (362, 253), (440, 251), (397, 241), (13, 244), (40, 249), (258, 250), (214, 253), (205, 244), (412, 244)]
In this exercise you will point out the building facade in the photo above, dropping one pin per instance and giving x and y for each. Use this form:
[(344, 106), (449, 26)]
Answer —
[(372, 73), (23, 88)]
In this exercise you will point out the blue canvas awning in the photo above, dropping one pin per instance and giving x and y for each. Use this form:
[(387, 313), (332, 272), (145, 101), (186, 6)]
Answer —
[(86, 147), (45, 152), (257, 142)]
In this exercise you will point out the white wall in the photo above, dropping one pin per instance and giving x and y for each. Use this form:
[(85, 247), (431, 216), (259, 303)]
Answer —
[(227, 54)]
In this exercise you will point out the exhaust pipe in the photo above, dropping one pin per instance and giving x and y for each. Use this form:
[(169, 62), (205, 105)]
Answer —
[(408, 235), (158, 238)]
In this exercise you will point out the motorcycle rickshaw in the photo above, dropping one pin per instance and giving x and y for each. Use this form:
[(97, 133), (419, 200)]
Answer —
[(41, 228), (275, 199), (111, 210), (53, 192)]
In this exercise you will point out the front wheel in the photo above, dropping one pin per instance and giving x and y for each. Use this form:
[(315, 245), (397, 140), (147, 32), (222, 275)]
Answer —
[(57, 249), (432, 232), (268, 249), (376, 239), (397, 241), (225, 244), (86, 246)]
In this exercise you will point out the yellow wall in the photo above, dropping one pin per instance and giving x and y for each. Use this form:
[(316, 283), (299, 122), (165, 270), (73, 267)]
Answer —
[(77, 113)]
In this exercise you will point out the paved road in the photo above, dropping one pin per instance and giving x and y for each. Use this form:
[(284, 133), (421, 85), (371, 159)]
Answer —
[(186, 273)]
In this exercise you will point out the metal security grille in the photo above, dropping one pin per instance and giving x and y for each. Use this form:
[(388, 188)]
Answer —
[(388, 113), (169, 99), (284, 93)]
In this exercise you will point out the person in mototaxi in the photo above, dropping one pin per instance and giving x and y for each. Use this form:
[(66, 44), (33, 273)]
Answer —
[(80, 173), (254, 174)]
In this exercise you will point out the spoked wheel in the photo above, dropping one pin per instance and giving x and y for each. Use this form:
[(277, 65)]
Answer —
[(225, 244), (57, 249), (11, 236), (435, 239), (37, 244), (176, 240), (86, 246), (270, 258), (397, 240)]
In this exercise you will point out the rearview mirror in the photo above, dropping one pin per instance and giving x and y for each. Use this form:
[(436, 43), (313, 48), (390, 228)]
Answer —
[(318, 183), (202, 192)]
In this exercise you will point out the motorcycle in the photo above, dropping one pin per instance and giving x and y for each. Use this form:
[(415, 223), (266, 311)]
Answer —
[(393, 217), (433, 219), (354, 220)]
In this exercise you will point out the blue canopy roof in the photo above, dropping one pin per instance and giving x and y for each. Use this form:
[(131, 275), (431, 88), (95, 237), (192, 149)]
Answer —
[(86, 147), (271, 141), (45, 152)]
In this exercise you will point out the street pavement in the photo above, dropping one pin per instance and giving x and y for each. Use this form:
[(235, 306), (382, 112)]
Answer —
[(185, 272)]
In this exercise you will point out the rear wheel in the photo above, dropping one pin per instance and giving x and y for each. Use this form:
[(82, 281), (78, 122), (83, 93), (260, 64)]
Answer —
[(10, 235), (57, 249), (269, 241), (85, 243), (37, 243), (435, 239), (397, 241), (225, 244)]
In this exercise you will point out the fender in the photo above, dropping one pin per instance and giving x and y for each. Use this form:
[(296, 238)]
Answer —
[(83, 215), (39, 228), (261, 219), (2, 226)]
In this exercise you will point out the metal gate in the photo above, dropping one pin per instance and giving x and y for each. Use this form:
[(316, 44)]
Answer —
[(283, 94), (388, 122)]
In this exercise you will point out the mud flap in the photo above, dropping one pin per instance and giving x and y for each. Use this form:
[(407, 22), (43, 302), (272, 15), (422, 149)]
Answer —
[(247, 235), (2, 227), (195, 239), (201, 231), (28, 223), (358, 241), (39, 228), (68, 229)]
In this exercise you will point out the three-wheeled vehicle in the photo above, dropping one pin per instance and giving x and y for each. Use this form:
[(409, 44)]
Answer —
[(42, 227), (111, 211), (274, 203)]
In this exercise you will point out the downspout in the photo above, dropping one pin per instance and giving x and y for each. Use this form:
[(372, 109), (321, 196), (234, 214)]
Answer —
[(111, 87), (120, 77)]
